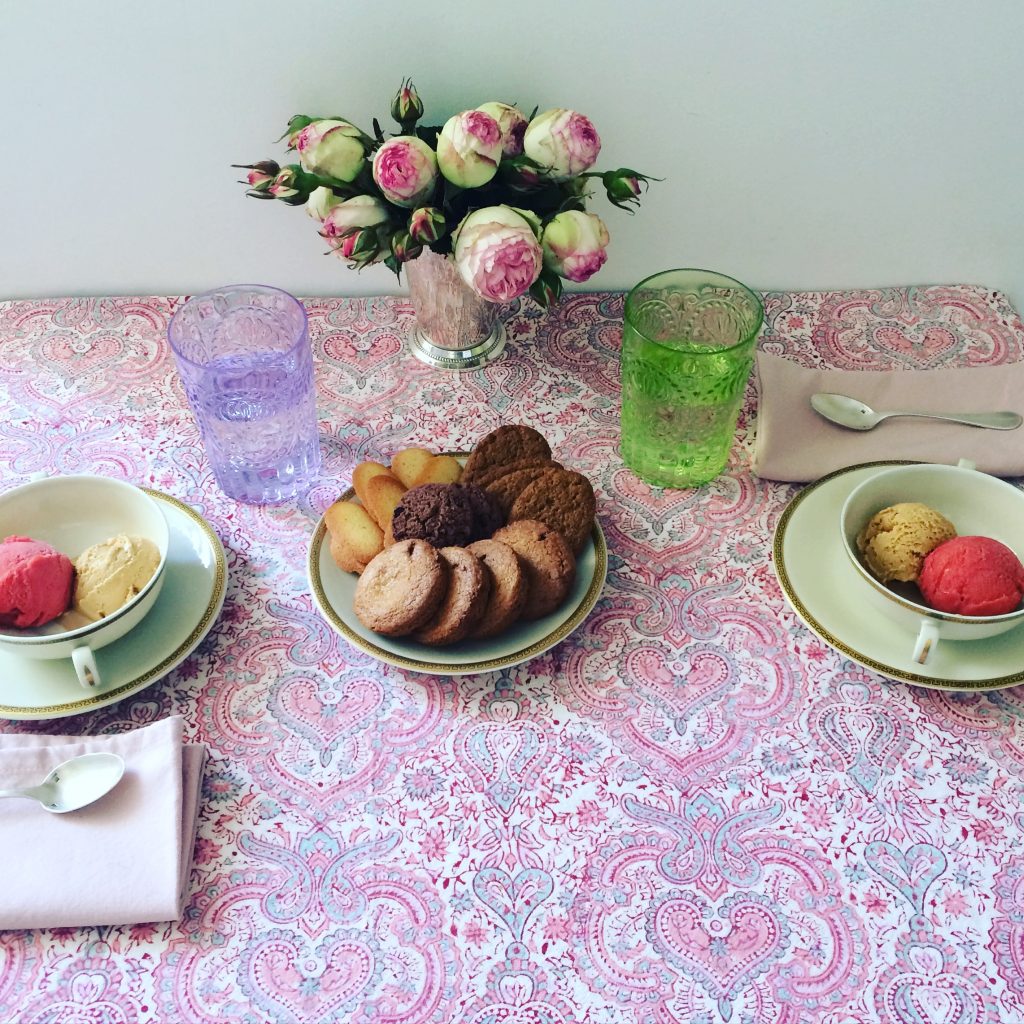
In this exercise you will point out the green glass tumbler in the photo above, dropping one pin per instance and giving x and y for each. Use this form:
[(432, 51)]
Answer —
[(688, 346)]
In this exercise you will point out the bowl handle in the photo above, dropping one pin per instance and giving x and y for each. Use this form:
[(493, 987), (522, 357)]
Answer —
[(85, 667), (927, 641)]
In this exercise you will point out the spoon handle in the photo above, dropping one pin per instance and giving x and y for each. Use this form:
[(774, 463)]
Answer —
[(4, 793), (993, 420)]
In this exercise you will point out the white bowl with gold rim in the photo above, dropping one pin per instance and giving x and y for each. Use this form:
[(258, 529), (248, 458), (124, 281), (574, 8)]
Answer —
[(976, 503), (71, 513)]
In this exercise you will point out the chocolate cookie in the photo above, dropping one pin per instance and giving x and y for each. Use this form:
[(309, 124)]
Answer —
[(562, 499), (549, 564), (508, 587), (488, 514), (469, 585), (401, 589), (506, 444), (439, 513)]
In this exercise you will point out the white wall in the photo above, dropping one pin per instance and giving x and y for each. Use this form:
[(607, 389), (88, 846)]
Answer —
[(804, 144)]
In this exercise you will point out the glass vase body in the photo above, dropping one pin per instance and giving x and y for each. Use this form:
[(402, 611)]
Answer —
[(455, 328)]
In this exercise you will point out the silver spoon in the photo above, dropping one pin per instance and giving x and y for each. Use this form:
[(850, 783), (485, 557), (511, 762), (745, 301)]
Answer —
[(74, 783), (848, 412)]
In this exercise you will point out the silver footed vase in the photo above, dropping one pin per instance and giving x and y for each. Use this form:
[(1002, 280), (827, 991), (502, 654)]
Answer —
[(455, 328)]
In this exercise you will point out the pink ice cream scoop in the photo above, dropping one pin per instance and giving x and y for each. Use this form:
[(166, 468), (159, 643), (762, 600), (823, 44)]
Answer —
[(35, 582), (972, 576)]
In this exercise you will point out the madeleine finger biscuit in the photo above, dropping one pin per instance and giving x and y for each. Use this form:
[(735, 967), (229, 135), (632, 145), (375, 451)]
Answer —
[(383, 493), (409, 463), (355, 538), (364, 473), (441, 469)]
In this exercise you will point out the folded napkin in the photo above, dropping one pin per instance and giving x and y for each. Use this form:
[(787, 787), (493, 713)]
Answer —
[(122, 860), (792, 442)]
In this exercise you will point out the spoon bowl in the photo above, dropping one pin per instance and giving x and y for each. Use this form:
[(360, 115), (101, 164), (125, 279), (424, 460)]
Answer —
[(854, 415), (75, 783)]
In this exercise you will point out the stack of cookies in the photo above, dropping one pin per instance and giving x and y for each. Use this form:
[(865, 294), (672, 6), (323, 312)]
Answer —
[(467, 555)]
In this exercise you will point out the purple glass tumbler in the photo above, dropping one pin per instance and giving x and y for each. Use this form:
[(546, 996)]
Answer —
[(244, 357)]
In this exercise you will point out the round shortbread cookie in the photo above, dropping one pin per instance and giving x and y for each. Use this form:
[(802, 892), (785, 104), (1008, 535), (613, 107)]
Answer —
[(465, 602), (401, 588), (505, 444), (564, 500), (508, 587), (547, 560)]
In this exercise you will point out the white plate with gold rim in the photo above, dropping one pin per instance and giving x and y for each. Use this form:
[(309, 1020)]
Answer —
[(185, 611), (333, 590), (820, 583)]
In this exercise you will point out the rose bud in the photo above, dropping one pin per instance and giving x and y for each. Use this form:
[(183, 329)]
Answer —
[(332, 149), (562, 142), (405, 170), (427, 224), (469, 148), (512, 124), (361, 246), (624, 186), (285, 184), (321, 201), (403, 248), (574, 245), (406, 107), (497, 253), (357, 212), (260, 175)]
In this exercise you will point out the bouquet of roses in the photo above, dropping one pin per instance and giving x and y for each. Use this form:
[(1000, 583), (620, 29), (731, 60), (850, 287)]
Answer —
[(502, 194)]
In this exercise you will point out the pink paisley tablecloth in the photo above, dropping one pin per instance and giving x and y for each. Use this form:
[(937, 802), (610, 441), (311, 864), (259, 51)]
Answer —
[(690, 811)]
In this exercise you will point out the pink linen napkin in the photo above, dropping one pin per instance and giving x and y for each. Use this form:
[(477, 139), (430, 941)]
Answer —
[(792, 442), (122, 860)]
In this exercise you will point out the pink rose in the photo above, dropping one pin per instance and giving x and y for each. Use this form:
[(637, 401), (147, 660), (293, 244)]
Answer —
[(469, 148), (405, 170), (357, 212), (512, 124), (497, 253), (333, 149), (574, 245), (563, 142)]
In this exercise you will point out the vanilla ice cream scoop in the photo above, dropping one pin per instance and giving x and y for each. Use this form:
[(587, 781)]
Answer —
[(109, 574)]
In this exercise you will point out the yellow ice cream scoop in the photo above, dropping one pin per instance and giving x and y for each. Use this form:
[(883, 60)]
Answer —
[(896, 539), (109, 574)]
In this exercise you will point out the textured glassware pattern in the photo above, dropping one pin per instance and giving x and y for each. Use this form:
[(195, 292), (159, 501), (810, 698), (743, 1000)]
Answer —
[(455, 328), (244, 357), (687, 351)]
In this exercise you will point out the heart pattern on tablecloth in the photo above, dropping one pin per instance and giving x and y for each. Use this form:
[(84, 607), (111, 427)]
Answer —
[(513, 900), (724, 947), (283, 976)]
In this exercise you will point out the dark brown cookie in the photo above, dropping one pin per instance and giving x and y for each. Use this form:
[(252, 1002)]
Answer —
[(506, 444), (508, 587), (489, 474), (401, 588), (488, 515), (469, 585), (547, 560), (505, 489), (562, 499), (439, 513)]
